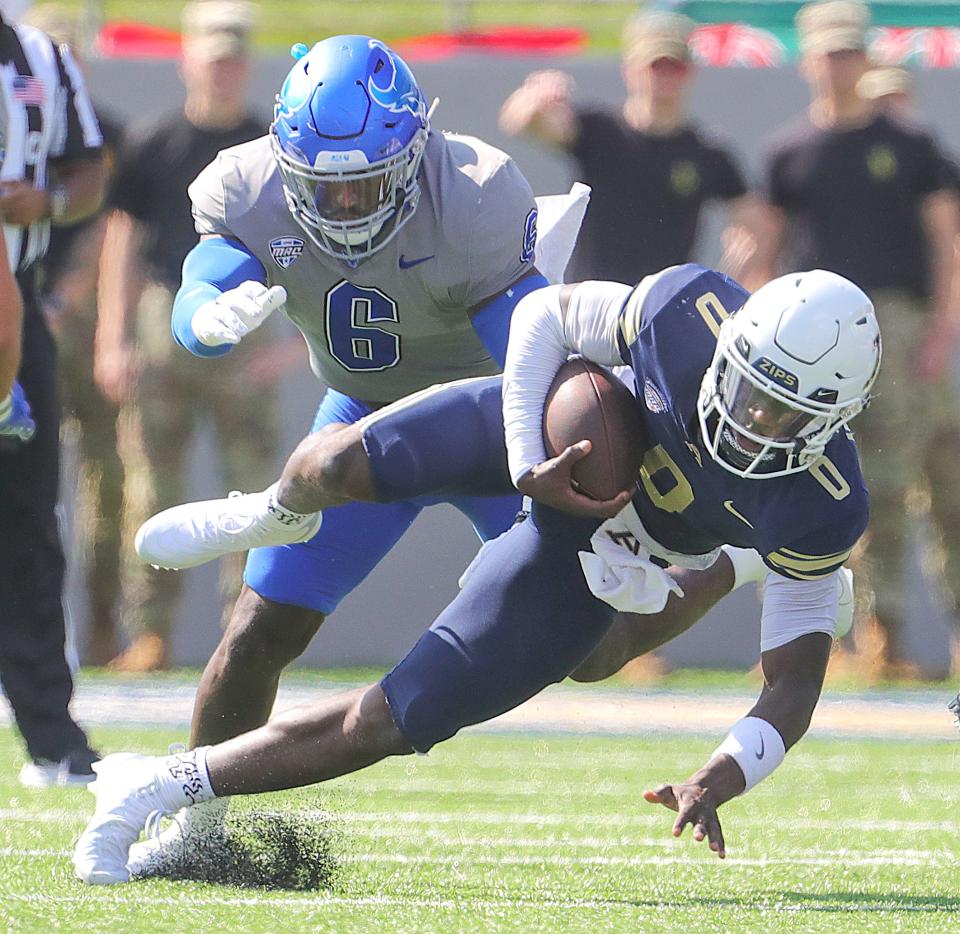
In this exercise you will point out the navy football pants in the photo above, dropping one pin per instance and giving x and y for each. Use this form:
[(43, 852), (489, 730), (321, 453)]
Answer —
[(524, 617)]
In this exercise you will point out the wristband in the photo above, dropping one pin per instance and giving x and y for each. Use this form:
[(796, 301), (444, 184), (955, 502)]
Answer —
[(756, 746), (6, 406)]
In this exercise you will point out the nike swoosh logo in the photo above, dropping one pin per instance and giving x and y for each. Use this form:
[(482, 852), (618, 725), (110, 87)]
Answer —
[(728, 505), (759, 755), (410, 263)]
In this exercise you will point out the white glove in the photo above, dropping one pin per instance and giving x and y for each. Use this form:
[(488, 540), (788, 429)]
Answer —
[(232, 315)]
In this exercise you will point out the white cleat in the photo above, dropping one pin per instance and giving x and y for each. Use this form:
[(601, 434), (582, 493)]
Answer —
[(194, 533), (845, 609), (192, 830), (127, 799)]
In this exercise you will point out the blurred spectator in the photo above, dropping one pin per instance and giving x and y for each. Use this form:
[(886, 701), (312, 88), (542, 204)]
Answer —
[(853, 190), (149, 232), (69, 305), (891, 90), (52, 173), (651, 169)]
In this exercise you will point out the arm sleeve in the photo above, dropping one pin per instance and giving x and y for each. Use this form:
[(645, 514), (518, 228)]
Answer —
[(211, 268), (794, 608), (492, 320), (541, 339), (80, 136)]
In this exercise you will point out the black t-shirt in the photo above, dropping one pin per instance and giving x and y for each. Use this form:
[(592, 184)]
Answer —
[(155, 164), (62, 239), (853, 199), (647, 195)]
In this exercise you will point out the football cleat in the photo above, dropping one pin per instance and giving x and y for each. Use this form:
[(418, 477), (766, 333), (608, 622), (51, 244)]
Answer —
[(191, 831), (194, 533), (75, 769), (127, 801), (954, 707)]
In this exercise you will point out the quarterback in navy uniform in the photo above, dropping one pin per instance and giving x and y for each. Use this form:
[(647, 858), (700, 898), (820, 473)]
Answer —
[(744, 400), (400, 253)]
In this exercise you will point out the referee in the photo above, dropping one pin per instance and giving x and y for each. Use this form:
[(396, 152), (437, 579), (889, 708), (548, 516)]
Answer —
[(51, 172)]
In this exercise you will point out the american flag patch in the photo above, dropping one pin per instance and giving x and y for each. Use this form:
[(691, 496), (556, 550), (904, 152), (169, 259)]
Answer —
[(28, 90)]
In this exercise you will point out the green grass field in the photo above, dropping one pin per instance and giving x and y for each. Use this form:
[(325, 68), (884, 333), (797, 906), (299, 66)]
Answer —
[(284, 22), (540, 833)]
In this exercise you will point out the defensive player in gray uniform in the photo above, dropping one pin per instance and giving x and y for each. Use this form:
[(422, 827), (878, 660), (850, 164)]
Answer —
[(400, 253)]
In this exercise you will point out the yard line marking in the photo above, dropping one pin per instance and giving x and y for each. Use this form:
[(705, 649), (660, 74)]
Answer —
[(843, 857), (321, 899), (496, 818), (421, 859)]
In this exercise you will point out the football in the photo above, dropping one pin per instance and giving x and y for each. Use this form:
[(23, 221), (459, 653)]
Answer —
[(586, 402)]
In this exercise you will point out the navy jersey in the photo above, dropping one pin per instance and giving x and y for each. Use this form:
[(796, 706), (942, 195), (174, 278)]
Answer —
[(804, 525)]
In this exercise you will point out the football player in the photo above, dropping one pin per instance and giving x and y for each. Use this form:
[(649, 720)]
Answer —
[(744, 401), (400, 253)]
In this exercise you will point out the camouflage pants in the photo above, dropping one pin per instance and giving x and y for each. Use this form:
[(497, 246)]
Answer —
[(177, 393), (99, 505), (909, 441)]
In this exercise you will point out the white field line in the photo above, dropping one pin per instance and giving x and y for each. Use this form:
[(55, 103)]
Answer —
[(320, 900), (381, 819), (562, 709), (603, 844), (844, 858)]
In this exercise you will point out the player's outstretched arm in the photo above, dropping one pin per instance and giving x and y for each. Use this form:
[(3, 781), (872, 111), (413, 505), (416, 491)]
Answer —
[(223, 297), (793, 677)]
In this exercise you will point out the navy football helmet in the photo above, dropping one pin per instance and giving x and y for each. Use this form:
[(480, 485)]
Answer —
[(348, 134)]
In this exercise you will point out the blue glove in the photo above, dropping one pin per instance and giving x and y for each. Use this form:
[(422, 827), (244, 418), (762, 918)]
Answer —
[(15, 420)]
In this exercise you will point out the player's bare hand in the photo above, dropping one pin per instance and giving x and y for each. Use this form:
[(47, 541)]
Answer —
[(115, 372), (694, 806), (552, 484), (549, 86), (21, 204), (541, 106)]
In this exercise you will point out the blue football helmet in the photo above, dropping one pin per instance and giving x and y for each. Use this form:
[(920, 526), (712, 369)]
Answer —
[(348, 134)]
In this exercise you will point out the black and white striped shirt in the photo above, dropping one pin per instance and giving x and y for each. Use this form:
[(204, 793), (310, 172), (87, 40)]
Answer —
[(45, 115)]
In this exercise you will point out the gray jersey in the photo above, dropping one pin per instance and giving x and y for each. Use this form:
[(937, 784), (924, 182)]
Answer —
[(398, 322)]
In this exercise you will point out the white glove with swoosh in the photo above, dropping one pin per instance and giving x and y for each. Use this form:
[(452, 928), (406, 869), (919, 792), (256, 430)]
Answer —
[(232, 315)]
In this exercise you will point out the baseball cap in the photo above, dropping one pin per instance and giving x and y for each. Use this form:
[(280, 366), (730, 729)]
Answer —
[(653, 35), (878, 82), (833, 26), (58, 21), (12, 10), (214, 29)]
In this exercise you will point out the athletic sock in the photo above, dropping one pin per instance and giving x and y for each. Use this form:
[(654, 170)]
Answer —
[(285, 517), (182, 779), (748, 566)]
